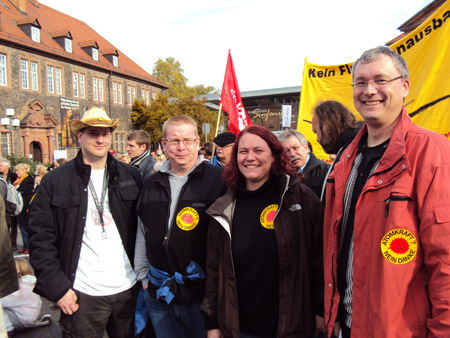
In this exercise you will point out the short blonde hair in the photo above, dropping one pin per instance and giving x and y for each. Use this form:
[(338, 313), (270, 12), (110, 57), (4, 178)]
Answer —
[(22, 166), (22, 267), (177, 120)]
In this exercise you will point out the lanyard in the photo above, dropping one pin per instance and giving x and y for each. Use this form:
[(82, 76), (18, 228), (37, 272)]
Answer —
[(98, 204)]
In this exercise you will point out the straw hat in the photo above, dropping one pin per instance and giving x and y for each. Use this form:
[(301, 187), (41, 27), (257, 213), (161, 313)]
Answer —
[(94, 117)]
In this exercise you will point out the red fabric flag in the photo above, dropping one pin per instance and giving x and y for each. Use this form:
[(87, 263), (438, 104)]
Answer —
[(232, 102)]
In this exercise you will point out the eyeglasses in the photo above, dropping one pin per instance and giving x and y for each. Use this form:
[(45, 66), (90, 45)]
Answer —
[(378, 83), (96, 134), (226, 146), (187, 142)]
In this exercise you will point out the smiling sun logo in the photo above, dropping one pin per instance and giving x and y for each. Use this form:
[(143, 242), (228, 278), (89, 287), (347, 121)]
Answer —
[(399, 246), (268, 215)]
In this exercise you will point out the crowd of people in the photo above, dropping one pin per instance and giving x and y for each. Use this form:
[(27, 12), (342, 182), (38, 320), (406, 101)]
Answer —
[(251, 235)]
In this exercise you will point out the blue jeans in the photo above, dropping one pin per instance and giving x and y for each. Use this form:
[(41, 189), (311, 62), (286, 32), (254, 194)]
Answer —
[(175, 320)]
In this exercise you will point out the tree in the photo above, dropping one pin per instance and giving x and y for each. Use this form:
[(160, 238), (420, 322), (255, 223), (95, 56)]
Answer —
[(151, 118), (171, 73)]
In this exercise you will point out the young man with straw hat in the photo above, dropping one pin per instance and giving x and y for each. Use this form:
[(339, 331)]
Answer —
[(82, 235)]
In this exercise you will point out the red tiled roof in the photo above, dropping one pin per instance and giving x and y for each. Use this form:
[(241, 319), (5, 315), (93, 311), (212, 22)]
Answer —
[(90, 43), (52, 21), (58, 34)]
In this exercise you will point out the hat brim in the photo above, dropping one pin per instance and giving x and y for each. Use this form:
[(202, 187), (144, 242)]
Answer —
[(76, 125)]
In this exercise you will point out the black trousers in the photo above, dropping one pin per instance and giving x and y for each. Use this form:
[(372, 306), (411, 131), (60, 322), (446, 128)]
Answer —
[(114, 313)]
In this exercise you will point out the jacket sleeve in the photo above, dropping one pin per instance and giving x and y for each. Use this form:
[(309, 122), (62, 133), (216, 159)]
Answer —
[(209, 304), (52, 282), (434, 238), (141, 264)]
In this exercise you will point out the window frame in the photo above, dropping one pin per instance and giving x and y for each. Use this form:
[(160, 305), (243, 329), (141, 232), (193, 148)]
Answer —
[(35, 34)]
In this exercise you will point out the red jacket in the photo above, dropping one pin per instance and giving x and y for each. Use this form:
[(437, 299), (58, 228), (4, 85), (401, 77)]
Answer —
[(401, 264)]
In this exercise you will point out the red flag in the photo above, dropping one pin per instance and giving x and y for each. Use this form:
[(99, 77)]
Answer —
[(232, 102)]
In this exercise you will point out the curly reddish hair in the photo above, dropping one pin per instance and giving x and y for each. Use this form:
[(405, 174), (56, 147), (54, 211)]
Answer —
[(280, 165)]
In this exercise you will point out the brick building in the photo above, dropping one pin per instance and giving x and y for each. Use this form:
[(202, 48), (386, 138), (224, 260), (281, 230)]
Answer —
[(54, 67)]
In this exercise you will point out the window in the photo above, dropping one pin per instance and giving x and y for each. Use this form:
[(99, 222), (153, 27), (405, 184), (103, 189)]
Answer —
[(120, 143), (24, 73), (54, 80), (131, 92), (95, 88), (6, 144), (115, 92), (59, 141), (115, 61), (3, 71), (35, 34), (100, 89), (82, 86), (146, 96), (68, 45), (119, 92), (33, 73), (75, 84), (95, 54), (79, 85), (154, 95)]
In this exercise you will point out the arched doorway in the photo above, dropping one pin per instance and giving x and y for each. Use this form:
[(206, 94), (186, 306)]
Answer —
[(36, 151)]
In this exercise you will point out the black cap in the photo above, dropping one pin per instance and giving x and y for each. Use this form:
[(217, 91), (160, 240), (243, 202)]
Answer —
[(224, 139)]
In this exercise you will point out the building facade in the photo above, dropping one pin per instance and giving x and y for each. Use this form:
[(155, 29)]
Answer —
[(53, 68)]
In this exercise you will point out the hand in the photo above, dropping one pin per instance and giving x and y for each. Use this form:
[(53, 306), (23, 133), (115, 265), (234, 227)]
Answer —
[(320, 325), (68, 303), (337, 329), (215, 333)]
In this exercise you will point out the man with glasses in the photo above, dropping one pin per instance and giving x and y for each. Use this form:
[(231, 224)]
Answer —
[(387, 225), (171, 242), (224, 144), (82, 230)]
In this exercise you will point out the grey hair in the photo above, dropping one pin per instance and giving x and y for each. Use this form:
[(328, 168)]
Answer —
[(372, 54), (5, 161), (287, 133)]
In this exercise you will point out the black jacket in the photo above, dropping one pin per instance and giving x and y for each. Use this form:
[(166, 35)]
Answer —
[(315, 174), (172, 250), (58, 216)]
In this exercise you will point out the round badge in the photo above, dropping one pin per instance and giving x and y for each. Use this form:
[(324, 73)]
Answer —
[(187, 219), (268, 215), (399, 246)]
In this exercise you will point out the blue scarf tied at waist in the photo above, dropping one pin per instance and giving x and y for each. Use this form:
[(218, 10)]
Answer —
[(167, 282)]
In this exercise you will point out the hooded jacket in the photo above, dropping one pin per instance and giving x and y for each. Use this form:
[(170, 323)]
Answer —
[(315, 174), (298, 231), (401, 265), (58, 218)]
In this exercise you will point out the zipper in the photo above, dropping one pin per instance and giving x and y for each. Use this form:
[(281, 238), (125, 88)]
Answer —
[(394, 198), (334, 287)]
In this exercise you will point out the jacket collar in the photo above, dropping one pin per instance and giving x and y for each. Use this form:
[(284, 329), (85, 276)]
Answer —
[(84, 170)]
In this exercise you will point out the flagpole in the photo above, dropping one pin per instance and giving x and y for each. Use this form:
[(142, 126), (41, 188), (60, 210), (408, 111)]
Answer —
[(217, 130)]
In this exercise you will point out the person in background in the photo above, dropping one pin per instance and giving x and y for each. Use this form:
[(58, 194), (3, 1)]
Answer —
[(9, 282), (334, 125), (171, 241), (138, 149), (207, 150), (82, 226), (386, 228), (22, 308), (10, 177), (311, 170), (40, 172), (224, 142), (25, 185), (60, 162), (264, 275)]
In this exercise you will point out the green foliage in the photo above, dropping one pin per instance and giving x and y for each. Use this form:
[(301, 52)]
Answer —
[(151, 118), (16, 159), (171, 73)]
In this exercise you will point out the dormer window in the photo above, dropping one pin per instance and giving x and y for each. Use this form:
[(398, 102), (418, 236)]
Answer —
[(94, 54), (90, 48), (31, 27), (64, 39), (35, 34), (112, 56), (68, 45)]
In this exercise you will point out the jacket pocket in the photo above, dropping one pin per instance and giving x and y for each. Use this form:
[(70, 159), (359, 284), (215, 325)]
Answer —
[(65, 201), (395, 198), (442, 214), (129, 192)]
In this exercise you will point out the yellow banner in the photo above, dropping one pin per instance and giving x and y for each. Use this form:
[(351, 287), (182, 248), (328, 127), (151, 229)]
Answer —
[(427, 53)]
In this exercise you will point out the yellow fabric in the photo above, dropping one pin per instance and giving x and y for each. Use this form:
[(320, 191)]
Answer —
[(427, 53)]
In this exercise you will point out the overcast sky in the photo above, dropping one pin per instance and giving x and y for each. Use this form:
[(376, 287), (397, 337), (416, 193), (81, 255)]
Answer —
[(269, 40)]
